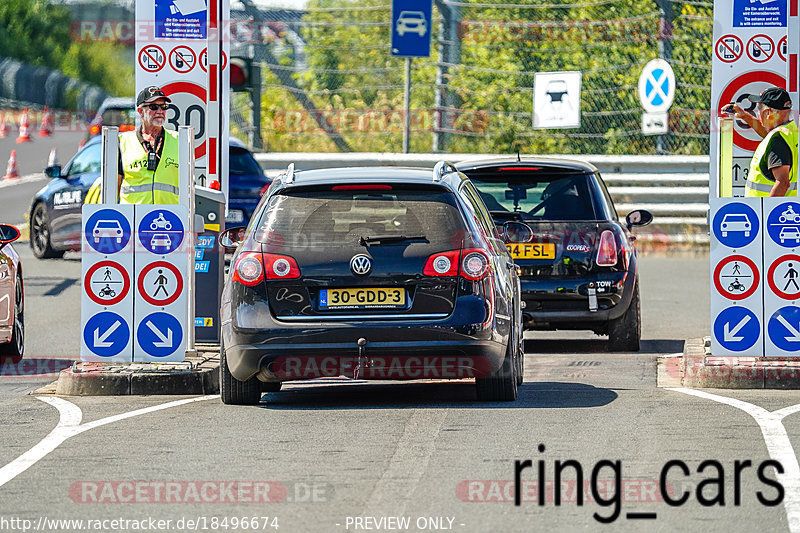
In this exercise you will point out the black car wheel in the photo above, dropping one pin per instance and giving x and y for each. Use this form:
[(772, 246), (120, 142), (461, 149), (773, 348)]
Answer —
[(625, 332), (233, 391), (16, 347), (40, 235), (501, 385)]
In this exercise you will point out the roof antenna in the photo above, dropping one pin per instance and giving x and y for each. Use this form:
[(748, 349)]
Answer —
[(519, 159)]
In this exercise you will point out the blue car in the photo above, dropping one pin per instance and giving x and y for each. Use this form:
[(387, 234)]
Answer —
[(55, 213)]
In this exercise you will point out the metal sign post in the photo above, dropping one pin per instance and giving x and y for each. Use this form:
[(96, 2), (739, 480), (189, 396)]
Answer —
[(407, 102), (109, 165), (186, 187)]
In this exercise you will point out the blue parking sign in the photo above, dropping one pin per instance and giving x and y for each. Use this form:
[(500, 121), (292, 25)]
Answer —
[(411, 28)]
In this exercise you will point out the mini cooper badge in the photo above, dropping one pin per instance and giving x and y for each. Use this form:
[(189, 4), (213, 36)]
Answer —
[(361, 265)]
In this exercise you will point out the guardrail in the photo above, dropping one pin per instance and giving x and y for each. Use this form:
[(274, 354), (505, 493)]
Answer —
[(674, 188)]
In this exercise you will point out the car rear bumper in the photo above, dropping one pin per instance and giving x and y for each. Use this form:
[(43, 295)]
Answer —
[(6, 332), (392, 351)]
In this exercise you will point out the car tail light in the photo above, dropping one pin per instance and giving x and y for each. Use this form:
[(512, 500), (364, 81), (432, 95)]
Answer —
[(442, 264), (264, 189), (126, 127), (280, 267), (362, 188), (607, 250), (249, 269), (474, 265)]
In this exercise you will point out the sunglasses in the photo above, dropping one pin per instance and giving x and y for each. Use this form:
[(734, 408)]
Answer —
[(153, 107)]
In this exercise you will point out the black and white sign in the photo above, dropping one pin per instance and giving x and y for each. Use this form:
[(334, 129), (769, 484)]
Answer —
[(557, 100)]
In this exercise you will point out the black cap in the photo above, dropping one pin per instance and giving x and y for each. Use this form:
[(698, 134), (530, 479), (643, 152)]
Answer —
[(774, 97), (150, 94)]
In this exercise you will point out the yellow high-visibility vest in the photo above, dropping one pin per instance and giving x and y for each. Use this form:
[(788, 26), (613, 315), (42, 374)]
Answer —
[(758, 184), (142, 186)]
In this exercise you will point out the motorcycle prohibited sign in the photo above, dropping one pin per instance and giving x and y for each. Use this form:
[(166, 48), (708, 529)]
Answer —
[(736, 277), (106, 283), (783, 277)]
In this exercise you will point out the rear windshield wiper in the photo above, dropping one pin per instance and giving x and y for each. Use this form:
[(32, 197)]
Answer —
[(389, 238)]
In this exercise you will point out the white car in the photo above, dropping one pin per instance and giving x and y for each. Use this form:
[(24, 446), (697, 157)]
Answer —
[(411, 22), (735, 222), (790, 233), (107, 228)]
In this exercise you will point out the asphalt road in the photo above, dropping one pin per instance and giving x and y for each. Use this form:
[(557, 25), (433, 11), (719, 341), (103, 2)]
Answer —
[(339, 455)]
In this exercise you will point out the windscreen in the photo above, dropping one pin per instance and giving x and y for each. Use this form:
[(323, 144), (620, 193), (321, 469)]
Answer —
[(335, 218), (537, 197), (243, 162), (118, 117)]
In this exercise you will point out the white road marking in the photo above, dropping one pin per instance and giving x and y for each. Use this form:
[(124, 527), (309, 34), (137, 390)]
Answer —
[(778, 445), (70, 425), (22, 179), (396, 486)]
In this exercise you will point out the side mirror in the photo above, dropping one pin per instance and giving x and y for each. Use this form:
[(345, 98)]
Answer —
[(8, 233), (639, 217), (53, 172), (231, 238), (517, 232)]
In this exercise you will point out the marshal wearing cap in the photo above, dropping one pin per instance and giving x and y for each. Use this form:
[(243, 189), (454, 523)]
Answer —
[(150, 94), (774, 97)]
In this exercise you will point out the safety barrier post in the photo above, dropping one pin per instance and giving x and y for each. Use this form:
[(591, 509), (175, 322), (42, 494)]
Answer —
[(110, 165), (186, 188)]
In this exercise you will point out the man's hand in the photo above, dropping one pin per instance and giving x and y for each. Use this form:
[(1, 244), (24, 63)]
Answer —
[(751, 121), (783, 178)]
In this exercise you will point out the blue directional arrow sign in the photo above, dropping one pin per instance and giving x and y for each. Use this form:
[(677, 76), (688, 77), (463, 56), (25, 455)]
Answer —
[(783, 328), (737, 329), (106, 334), (161, 231), (107, 231), (411, 28), (735, 225), (783, 224), (159, 334)]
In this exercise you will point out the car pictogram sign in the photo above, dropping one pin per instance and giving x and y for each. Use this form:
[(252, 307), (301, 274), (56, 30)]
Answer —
[(760, 48), (783, 328), (106, 334), (107, 231), (160, 283), (159, 334), (152, 58), (736, 277), (783, 277), (737, 329), (106, 283), (729, 48), (735, 225), (161, 231), (182, 59)]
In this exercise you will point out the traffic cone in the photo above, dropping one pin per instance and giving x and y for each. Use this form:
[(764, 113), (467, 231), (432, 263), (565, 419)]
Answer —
[(11, 170), (3, 126), (53, 159), (24, 129), (46, 129)]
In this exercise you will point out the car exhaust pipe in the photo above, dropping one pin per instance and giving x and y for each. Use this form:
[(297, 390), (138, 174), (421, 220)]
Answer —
[(266, 375)]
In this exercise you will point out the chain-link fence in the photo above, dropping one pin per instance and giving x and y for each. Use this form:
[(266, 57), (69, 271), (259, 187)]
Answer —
[(330, 82)]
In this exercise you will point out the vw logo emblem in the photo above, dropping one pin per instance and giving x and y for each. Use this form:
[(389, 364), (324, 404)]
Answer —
[(361, 265)]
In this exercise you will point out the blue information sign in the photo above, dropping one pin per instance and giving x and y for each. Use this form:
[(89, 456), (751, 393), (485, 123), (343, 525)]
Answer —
[(783, 328), (159, 334), (161, 231), (759, 13), (107, 231), (180, 19), (737, 329), (783, 224), (411, 28), (106, 334), (735, 225)]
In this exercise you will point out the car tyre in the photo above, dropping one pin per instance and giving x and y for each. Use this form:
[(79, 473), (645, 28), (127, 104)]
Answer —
[(40, 235), (233, 391), (625, 332), (16, 347), (501, 385)]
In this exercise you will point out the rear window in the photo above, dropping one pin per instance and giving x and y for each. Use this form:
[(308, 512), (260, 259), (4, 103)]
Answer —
[(243, 162), (544, 197), (335, 218)]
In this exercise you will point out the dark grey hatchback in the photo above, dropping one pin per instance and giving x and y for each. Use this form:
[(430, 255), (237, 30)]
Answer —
[(370, 273)]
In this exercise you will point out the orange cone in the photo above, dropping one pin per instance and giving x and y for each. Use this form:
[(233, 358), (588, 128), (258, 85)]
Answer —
[(3, 126), (46, 129), (24, 129), (11, 170)]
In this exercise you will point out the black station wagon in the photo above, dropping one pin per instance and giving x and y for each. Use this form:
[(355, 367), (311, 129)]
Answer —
[(370, 273)]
